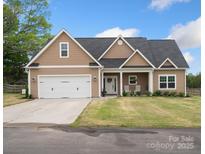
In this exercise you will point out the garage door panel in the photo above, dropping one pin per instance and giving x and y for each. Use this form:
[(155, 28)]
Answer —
[(64, 86)]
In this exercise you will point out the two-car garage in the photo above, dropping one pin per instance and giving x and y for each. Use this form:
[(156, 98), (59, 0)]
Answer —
[(64, 86)]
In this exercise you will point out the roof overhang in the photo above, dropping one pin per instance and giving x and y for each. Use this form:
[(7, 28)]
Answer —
[(63, 66), (128, 70)]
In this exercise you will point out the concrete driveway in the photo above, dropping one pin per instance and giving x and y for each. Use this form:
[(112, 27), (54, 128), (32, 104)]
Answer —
[(50, 111)]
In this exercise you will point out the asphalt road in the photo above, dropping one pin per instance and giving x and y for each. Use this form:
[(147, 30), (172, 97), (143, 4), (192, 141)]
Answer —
[(64, 140)]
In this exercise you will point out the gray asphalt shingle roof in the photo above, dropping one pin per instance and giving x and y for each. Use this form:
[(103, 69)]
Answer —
[(112, 62), (163, 49), (96, 46), (156, 51)]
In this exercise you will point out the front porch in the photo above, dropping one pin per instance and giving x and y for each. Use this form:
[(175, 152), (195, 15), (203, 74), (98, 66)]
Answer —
[(115, 82)]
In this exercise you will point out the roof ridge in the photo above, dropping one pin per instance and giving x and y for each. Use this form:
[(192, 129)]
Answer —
[(161, 40), (94, 37), (107, 37), (113, 58)]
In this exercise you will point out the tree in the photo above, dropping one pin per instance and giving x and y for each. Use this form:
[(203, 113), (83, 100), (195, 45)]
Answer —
[(10, 21), (194, 81), (26, 29)]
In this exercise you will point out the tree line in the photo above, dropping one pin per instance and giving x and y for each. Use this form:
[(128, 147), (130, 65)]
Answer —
[(25, 29), (193, 81)]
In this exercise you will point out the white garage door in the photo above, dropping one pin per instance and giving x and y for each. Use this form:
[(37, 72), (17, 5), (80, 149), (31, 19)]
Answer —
[(64, 86)]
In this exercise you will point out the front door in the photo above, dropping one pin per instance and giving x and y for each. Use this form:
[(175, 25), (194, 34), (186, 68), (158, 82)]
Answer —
[(110, 84)]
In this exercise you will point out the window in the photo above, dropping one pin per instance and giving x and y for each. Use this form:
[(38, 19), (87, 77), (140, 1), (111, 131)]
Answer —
[(64, 50), (171, 81), (167, 82), (132, 80), (163, 82)]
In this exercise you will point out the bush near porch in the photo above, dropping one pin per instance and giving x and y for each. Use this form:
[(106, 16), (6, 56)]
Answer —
[(142, 112), (156, 93)]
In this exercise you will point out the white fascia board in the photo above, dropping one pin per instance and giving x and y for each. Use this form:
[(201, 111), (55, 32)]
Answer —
[(169, 61), (121, 37), (44, 48), (170, 69), (127, 70), (138, 51), (82, 48), (64, 66), (63, 30), (128, 59), (109, 47)]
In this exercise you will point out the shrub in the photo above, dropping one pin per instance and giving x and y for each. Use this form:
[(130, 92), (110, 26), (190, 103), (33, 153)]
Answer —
[(26, 96), (138, 93), (188, 95), (132, 93), (157, 93), (30, 96), (148, 93), (125, 93), (166, 93), (173, 93), (181, 94), (104, 92)]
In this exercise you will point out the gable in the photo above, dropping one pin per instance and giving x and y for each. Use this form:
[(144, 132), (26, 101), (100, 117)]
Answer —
[(119, 51), (167, 64), (51, 56), (137, 60)]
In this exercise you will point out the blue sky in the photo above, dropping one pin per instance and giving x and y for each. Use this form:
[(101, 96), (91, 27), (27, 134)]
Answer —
[(154, 19)]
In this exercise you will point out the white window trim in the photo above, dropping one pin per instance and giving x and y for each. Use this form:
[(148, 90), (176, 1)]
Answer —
[(167, 75), (129, 79), (61, 49)]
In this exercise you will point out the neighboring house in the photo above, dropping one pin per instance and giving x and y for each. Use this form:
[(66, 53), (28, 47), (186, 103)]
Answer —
[(70, 67)]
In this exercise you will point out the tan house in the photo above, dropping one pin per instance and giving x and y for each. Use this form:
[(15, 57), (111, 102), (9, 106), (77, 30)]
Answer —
[(70, 67)]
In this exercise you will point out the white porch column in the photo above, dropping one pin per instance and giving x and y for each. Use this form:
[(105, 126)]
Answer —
[(121, 84), (102, 81), (29, 82), (150, 83), (99, 82), (184, 83)]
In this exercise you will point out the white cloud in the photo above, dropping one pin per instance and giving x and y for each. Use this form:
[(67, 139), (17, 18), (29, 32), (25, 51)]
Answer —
[(114, 32), (188, 35), (160, 5), (189, 58)]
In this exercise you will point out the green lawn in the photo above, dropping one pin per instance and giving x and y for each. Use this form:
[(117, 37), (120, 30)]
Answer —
[(142, 112), (13, 98)]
